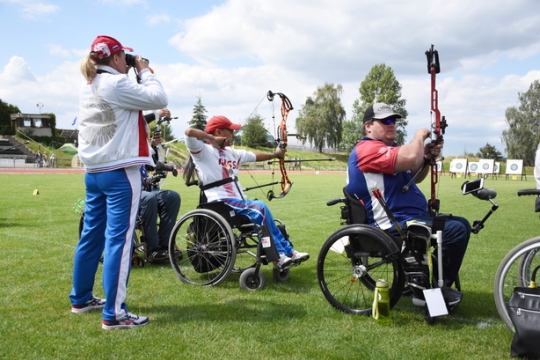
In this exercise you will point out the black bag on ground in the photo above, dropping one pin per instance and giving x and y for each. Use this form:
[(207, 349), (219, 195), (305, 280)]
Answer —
[(524, 311)]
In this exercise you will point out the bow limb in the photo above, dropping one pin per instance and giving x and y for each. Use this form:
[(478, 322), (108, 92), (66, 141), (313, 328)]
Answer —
[(285, 182)]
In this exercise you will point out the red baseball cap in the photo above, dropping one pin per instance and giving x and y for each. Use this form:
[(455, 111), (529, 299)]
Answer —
[(105, 46), (220, 122)]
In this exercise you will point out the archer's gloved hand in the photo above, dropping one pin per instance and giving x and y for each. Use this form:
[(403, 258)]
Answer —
[(280, 152)]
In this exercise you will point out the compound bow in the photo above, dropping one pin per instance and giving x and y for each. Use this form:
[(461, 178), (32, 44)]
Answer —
[(438, 125), (281, 139)]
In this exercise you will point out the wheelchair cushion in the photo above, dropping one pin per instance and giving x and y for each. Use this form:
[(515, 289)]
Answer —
[(234, 219)]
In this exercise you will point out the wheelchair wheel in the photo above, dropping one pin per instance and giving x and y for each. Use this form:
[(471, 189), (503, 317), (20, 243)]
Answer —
[(208, 247), (81, 224), (351, 261), (251, 281), (139, 245), (280, 275), (515, 270)]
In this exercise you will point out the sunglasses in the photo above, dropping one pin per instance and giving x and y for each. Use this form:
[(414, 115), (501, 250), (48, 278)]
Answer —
[(387, 121)]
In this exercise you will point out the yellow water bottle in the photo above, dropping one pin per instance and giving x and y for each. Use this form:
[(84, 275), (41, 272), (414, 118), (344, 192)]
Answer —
[(381, 303)]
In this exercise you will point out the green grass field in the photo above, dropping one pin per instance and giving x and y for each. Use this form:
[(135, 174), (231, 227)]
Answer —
[(39, 233)]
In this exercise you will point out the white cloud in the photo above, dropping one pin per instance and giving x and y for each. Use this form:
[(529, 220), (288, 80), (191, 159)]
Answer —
[(59, 51), (37, 9), (123, 2), (57, 91), (15, 72), (158, 19), (238, 50)]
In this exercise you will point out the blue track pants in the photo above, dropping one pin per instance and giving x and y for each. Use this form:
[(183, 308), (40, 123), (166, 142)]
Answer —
[(112, 203)]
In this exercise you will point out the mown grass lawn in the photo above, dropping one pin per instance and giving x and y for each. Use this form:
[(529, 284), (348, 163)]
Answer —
[(38, 234)]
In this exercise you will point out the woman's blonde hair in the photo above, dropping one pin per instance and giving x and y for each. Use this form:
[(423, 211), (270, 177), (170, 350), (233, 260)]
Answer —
[(88, 66)]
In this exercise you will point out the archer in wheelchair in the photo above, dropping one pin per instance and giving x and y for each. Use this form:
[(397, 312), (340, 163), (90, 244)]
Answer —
[(157, 203), (392, 227), (227, 231)]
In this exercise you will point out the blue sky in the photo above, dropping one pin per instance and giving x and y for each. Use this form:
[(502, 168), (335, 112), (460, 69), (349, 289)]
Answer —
[(232, 52)]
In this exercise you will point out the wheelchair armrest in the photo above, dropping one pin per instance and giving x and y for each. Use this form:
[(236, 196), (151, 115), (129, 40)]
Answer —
[(335, 201)]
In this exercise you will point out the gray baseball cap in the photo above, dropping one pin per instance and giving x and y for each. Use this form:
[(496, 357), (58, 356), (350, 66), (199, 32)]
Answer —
[(379, 111)]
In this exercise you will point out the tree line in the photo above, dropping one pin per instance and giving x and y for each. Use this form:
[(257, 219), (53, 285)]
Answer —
[(322, 120)]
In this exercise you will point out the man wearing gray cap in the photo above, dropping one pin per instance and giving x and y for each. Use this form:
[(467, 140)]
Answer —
[(378, 162)]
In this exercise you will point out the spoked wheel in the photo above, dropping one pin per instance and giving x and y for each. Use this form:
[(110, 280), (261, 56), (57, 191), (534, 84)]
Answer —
[(251, 281), (207, 244), (351, 261), (515, 270), (139, 246)]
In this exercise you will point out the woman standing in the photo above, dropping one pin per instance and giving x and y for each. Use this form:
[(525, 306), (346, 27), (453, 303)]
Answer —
[(112, 146)]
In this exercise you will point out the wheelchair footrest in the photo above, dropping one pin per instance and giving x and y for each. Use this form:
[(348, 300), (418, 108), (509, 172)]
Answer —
[(417, 277)]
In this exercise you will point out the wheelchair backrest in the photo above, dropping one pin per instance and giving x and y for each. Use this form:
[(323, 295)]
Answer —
[(356, 210)]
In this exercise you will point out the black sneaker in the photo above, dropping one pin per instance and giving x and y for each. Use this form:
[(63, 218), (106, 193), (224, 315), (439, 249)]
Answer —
[(158, 255), (452, 297), (178, 255)]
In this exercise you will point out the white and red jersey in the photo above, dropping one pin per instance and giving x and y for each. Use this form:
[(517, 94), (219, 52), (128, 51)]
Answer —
[(217, 164), (371, 165)]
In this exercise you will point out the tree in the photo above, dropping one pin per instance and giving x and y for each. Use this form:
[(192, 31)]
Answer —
[(321, 118), (489, 152), (198, 121), (352, 132), (380, 85), (522, 136), (254, 133), (5, 118)]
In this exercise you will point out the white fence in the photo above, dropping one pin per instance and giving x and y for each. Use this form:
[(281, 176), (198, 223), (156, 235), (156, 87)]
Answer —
[(15, 162)]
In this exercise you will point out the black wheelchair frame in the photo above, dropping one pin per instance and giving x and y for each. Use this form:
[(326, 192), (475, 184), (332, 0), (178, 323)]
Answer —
[(216, 241), (355, 256)]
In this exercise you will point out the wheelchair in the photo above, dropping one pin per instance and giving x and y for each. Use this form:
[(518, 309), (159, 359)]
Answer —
[(354, 257), (216, 241)]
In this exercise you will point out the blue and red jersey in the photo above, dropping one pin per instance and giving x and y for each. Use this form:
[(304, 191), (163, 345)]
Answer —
[(371, 166)]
